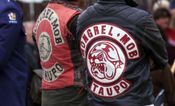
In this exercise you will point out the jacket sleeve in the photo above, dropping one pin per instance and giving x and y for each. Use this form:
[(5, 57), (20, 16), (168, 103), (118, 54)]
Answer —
[(152, 41), (72, 25), (10, 28)]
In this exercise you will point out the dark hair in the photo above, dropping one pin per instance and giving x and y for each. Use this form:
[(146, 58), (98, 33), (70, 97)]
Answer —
[(161, 13)]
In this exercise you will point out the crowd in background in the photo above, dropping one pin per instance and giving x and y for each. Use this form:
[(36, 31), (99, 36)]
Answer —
[(164, 16)]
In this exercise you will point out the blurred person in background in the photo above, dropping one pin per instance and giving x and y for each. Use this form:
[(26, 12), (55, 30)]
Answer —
[(54, 31), (171, 37), (162, 17), (161, 4), (35, 72), (13, 65)]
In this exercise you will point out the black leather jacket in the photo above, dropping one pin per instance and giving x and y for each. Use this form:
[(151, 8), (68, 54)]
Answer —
[(116, 18)]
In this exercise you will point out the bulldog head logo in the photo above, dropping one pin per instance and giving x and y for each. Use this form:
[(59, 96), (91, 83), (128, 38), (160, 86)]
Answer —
[(105, 60)]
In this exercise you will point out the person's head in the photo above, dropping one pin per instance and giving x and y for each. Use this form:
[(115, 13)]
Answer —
[(162, 17)]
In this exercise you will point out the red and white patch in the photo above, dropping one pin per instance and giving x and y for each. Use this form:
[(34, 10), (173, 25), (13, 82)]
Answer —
[(48, 35), (45, 47), (105, 61), (106, 49)]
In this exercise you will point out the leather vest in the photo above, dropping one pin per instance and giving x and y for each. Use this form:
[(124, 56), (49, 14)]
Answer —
[(51, 33)]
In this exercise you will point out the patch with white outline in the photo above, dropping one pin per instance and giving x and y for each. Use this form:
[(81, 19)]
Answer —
[(106, 61), (47, 32), (106, 49), (45, 47)]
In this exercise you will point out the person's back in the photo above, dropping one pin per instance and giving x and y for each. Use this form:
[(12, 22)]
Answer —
[(13, 67), (59, 55), (117, 41)]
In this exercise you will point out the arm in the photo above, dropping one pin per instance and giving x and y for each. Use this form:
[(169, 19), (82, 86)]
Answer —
[(155, 47), (152, 42), (72, 25), (9, 32)]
